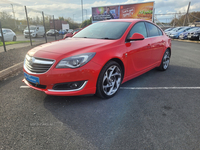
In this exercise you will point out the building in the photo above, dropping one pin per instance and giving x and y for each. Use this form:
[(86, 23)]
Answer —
[(58, 24)]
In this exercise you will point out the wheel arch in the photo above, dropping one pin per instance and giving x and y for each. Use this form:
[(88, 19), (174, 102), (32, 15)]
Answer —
[(169, 50), (120, 62)]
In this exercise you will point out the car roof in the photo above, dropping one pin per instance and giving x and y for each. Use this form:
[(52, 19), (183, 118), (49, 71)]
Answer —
[(124, 20)]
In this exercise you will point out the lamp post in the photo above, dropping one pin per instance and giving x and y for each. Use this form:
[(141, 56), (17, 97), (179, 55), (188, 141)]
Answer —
[(86, 13), (13, 14), (82, 9)]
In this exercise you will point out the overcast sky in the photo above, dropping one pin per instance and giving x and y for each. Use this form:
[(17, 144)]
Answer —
[(72, 8)]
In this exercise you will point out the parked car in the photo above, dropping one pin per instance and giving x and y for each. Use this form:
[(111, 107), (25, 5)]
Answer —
[(52, 32), (70, 30), (175, 34), (72, 33), (98, 59), (62, 32), (168, 33), (169, 29), (194, 35), (35, 31), (184, 35), (8, 35)]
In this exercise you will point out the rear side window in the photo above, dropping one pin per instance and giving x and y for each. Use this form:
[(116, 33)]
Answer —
[(138, 28), (160, 32), (153, 30)]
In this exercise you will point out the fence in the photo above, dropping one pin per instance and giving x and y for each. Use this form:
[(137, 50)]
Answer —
[(29, 26), (177, 19)]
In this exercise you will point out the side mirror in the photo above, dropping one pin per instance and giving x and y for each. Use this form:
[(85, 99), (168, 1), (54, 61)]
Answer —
[(136, 37)]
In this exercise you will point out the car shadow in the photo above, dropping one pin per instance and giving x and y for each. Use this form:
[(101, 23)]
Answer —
[(94, 118)]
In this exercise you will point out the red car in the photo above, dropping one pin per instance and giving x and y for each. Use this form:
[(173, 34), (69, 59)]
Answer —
[(72, 33), (98, 59)]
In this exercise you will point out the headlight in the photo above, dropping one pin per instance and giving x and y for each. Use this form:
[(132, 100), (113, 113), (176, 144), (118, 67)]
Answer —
[(75, 61)]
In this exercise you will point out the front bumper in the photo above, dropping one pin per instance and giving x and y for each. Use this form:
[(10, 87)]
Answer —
[(193, 37), (182, 37), (174, 36), (88, 73), (32, 35)]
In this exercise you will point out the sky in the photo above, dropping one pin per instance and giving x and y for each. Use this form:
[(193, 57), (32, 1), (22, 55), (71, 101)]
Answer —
[(72, 8)]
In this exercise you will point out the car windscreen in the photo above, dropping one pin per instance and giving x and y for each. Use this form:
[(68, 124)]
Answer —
[(180, 30), (192, 29), (103, 30)]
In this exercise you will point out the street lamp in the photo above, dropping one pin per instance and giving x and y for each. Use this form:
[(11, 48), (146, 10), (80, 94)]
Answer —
[(82, 9), (86, 14), (13, 14)]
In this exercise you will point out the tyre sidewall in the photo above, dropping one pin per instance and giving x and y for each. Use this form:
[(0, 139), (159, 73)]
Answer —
[(161, 65), (99, 90)]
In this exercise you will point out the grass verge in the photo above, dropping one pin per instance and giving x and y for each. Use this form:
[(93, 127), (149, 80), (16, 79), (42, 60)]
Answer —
[(14, 42)]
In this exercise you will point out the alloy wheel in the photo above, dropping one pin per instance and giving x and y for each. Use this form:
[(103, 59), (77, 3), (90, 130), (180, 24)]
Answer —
[(111, 80), (166, 59)]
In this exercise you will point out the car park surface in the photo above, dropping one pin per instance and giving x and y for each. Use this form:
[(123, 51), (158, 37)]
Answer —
[(138, 117), (98, 57)]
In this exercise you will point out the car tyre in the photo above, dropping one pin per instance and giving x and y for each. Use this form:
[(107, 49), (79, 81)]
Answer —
[(109, 80), (165, 61), (14, 38)]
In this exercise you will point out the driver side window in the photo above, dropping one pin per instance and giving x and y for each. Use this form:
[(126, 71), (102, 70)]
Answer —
[(138, 28)]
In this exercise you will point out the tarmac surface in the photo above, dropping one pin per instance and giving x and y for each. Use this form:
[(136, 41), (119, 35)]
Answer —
[(158, 110)]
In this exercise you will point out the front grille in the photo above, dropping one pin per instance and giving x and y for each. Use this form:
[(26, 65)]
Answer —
[(37, 85), (37, 65), (28, 32)]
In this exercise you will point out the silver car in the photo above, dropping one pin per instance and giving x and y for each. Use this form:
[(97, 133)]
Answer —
[(8, 35)]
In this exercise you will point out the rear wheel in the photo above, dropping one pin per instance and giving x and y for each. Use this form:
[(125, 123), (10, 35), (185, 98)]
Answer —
[(109, 80), (165, 61)]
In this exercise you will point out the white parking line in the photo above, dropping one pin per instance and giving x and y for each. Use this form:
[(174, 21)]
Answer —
[(24, 87), (160, 88)]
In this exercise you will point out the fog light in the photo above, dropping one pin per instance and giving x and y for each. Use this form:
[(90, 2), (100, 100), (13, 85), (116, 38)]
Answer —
[(69, 85), (74, 85)]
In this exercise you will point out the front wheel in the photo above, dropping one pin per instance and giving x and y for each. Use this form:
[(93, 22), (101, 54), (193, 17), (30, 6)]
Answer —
[(165, 61), (14, 38), (109, 80)]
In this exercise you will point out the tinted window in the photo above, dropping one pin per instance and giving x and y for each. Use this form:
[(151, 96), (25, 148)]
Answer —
[(153, 30), (138, 28), (103, 30)]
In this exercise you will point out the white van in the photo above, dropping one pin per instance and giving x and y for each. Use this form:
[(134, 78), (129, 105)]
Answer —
[(35, 31)]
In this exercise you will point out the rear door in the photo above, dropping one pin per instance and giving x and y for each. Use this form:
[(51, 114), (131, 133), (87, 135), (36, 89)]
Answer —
[(157, 42), (10, 35)]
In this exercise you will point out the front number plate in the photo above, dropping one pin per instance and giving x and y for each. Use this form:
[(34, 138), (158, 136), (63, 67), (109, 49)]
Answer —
[(32, 79)]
